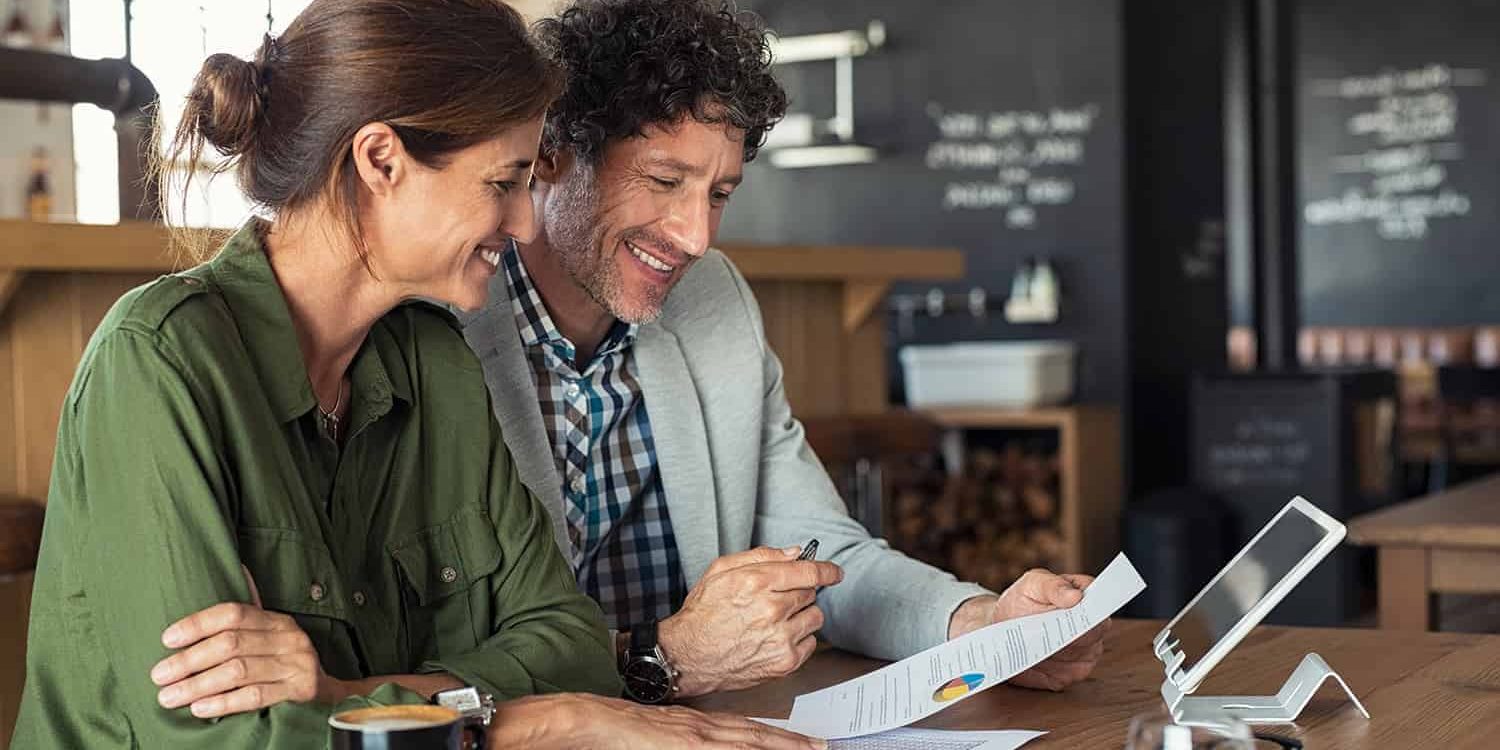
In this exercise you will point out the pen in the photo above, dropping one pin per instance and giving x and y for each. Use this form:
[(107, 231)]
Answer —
[(809, 550)]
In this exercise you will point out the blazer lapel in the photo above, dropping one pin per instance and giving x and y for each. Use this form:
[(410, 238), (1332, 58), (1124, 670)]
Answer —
[(493, 336), (682, 454)]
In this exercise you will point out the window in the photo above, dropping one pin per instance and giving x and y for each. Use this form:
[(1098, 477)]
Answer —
[(169, 41)]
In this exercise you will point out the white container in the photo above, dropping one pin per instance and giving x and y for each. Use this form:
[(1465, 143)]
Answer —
[(989, 373)]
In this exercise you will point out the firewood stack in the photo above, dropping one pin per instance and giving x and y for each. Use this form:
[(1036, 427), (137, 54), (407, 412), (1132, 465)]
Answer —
[(990, 524)]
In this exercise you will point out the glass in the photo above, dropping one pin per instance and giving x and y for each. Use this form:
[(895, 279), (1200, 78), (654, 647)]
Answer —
[(1157, 731), (1218, 608)]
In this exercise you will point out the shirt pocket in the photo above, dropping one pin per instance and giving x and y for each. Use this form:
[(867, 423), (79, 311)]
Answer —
[(296, 576), (445, 570)]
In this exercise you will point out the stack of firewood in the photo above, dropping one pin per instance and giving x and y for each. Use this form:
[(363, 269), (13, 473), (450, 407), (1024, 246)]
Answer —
[(989, 524)]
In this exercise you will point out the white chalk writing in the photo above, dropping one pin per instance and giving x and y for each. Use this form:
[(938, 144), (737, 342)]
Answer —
[(1031, 157)]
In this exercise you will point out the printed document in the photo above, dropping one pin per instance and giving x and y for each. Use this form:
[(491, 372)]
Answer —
[(929, 739), (926, 683)]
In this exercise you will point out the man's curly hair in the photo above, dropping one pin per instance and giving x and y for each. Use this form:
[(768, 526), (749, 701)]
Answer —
[(634, 63)]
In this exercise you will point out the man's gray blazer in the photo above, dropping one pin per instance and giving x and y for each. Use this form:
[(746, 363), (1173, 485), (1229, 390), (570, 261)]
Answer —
[(735, 468)]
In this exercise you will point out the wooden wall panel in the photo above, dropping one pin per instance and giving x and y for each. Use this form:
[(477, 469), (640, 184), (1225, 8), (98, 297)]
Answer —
[(45, 320), (804, 327)]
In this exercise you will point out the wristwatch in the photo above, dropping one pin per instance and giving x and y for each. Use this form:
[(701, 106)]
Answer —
[(644, 668), (475, 707)]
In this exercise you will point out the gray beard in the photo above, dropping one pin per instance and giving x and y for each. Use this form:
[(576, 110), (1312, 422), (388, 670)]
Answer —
[(577, 240)]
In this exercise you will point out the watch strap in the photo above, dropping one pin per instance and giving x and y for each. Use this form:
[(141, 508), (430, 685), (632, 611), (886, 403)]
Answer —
[(643, 637)]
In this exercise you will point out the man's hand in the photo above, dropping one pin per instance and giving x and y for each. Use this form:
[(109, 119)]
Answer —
[(578, 720), (1038, 591), (235, 657), (750, 619)]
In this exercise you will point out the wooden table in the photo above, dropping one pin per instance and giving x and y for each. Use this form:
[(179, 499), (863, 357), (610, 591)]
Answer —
[(1424, 690), (1446, 543)]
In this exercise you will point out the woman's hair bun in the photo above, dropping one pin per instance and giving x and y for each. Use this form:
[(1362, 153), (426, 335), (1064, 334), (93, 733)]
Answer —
[(228, 101)]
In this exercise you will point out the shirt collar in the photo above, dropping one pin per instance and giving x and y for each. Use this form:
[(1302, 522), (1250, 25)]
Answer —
[(534, 322), (243, 274)]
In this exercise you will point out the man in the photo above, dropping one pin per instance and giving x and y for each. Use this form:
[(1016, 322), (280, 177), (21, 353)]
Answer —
[(630, 372)]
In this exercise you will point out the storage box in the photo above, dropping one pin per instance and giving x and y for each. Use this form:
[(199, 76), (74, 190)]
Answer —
[(989, 373)]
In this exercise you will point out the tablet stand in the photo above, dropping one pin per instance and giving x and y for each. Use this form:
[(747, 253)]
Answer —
[(1281, 708)]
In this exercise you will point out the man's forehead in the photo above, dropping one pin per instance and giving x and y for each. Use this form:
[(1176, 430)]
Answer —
[(689, 146), (715, 122)]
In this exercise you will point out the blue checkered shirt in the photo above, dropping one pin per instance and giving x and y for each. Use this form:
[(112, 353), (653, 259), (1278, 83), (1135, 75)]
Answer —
[(622, 548)]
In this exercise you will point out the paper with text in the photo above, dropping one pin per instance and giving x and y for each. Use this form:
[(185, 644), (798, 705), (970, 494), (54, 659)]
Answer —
[(928, 682), (930, 739)]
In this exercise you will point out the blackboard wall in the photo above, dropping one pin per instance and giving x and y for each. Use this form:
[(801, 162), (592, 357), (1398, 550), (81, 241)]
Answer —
[(1176, 296), (1397, 101), (1011, 58)]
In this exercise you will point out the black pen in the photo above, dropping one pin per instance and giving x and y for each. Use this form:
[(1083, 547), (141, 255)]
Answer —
[(809, 550)]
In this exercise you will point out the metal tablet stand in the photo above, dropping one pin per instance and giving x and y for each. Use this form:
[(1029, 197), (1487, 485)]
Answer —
[(1281, 708)]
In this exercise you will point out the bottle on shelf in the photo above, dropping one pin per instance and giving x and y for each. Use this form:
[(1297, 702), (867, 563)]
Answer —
[(17, 31), (1044, 290), (39, 188), (1034, 294)]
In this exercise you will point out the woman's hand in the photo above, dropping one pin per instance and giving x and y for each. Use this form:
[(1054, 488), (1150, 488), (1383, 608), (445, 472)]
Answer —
[(233, 658), (589, 721)]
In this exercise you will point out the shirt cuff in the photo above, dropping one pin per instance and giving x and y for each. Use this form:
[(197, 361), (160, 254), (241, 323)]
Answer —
[(948, 602), (384, 694)]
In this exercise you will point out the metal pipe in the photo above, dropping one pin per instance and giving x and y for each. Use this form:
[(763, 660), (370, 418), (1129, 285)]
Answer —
[(842, 124), (1261, 170), (1279, 304), (829, 46), (114, 85)]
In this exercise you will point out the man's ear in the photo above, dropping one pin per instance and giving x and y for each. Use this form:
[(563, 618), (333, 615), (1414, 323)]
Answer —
[(553, 163), (380, 157)]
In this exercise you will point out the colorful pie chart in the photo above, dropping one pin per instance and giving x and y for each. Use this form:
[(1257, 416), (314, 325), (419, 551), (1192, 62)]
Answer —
[(958, 687)]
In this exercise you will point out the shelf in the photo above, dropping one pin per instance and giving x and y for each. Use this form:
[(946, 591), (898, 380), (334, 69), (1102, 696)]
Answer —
[(993, 418), (1090, 470)]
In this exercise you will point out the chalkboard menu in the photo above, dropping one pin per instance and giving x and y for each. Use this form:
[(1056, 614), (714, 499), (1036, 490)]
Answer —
[(999, 128), (1400, 167)]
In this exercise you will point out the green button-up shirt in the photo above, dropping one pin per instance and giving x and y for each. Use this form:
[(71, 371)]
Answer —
[(189, 445)]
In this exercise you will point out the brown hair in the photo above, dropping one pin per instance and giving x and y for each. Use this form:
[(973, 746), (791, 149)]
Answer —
[(444, 74)]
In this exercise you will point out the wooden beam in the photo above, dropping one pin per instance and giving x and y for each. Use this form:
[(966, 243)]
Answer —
[(836, 263), (144, 246), (861, 299), (127, 246), (10, 281)]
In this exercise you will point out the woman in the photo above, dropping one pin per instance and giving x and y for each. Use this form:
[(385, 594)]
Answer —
[(278, 492), (284, 408)]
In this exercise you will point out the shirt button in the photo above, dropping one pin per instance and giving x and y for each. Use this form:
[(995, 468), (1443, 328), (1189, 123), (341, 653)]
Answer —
[(577, 484), (572, 390), (359, 598), (448, 574), (316, 592)]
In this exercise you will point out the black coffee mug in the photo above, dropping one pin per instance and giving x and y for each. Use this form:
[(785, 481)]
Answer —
[(404, 728)]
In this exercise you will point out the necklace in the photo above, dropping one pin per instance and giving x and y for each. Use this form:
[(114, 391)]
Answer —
[(331, 418)]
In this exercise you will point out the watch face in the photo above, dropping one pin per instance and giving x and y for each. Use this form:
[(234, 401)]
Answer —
[(647, 680)]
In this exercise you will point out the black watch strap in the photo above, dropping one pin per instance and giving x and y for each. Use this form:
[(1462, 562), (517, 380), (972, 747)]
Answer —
[(643, 637)]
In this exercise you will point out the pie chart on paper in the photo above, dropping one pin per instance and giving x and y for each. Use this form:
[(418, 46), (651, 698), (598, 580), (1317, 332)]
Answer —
[(958, 687)]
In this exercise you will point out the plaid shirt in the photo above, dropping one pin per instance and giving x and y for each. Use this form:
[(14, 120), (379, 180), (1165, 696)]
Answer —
[(623, 551)]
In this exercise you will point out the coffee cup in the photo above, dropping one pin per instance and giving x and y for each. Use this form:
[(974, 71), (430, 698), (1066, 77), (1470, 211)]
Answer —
[(404, 728)]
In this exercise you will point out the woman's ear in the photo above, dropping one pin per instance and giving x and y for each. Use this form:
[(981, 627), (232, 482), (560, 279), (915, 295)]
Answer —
[(379, 157)]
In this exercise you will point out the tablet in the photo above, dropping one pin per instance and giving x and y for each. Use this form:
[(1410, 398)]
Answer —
[(1289, 546)]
